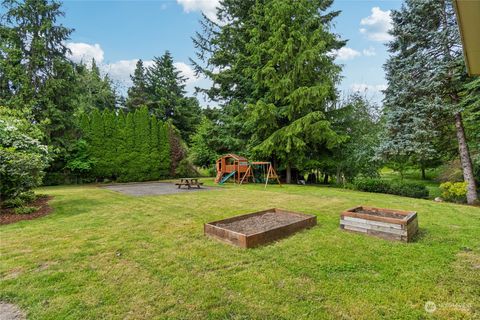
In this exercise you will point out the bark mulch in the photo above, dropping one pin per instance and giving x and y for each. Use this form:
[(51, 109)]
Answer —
[(8, 216)]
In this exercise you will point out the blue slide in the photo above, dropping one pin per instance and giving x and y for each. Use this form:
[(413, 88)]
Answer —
[(227, 177)]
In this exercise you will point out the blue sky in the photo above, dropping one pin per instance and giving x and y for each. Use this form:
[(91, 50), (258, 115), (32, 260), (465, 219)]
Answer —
[(117, 33)]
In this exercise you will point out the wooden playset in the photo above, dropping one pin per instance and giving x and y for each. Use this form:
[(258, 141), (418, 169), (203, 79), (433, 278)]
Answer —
[(242, 171)]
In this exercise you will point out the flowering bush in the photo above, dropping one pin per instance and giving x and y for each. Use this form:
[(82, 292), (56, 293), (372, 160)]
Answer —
[(454, 191), (22, 156)]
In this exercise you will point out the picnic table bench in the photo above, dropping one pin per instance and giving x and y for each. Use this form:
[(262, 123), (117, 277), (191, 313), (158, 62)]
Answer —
[(189, 183)]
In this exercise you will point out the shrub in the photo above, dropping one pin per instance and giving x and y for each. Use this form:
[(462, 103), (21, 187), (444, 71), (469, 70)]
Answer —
[(28, 196), (186, 169), (25, 210), (454, 191), (20, 200), (406, 189), (409, 189), (22, 157), (13, 203), (372, 185)]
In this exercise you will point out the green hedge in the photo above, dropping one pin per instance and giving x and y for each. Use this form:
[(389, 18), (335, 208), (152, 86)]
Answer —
[(406, 189), (127, 147)]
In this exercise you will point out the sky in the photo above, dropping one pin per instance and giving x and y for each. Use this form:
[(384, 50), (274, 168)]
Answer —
[(119, 32)]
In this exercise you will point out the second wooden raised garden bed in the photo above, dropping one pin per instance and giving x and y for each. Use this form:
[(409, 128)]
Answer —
[(384, 223), (258, 228)]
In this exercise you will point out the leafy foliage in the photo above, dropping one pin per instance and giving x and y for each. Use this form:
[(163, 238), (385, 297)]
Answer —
[(454, 191), (23, 158), (358, 119)]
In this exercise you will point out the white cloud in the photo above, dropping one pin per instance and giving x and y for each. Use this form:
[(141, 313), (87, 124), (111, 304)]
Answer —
[(346, 53), (120, 71), (369, 52), (208, 7), (370, 88), (377, 25), (186, 71), (85, 52)]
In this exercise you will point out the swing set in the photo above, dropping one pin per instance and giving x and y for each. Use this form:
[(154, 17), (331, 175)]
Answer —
[(237, 167)]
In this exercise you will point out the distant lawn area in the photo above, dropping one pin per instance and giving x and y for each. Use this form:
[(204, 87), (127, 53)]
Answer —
[(102, 254)]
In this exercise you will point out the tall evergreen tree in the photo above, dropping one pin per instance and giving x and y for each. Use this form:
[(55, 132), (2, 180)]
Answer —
[(274, 57), (426, 76), (166, 96), (165, 85), (295, 82), (32, 42), (137, 93)]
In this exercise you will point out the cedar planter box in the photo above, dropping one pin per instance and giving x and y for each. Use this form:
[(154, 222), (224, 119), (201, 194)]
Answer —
[(258, 228), (384, 223)]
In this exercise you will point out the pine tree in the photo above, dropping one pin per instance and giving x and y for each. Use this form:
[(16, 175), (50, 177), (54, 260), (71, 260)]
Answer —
[(35, 74), (165, 87), (426, 75), (137, 93), (295, 82), (25, 25), (166, 96), (274, 57)]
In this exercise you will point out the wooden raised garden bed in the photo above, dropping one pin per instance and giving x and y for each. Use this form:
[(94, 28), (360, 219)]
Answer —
[(384, 223), (258, 228)]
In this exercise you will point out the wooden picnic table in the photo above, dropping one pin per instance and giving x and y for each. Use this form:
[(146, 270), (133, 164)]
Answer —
[(189, 183)]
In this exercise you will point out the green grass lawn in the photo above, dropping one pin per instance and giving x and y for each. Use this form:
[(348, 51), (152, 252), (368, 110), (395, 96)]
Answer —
[(102, 254)]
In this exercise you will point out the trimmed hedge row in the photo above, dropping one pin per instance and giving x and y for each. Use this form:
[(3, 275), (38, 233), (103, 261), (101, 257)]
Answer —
[(406, 189)]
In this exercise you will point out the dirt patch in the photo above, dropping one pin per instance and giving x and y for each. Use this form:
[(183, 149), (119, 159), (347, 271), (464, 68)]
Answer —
[(260, 223), (10, 311), (8, 216), (380, 214), (13, 274), (152, 188)]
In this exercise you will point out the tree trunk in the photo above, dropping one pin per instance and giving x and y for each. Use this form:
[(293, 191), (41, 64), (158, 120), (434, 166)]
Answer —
[(289, 173), (325, 178), (423, 174), (466, 161)]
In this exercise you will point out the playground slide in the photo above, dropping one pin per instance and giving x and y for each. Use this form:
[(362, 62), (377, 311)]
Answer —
[(227, 177)]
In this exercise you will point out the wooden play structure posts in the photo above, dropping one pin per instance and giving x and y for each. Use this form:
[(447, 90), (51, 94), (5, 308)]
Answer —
[(241, 170)]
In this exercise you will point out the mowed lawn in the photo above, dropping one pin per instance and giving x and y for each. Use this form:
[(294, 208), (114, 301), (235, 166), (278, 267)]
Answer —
[(104, 255)]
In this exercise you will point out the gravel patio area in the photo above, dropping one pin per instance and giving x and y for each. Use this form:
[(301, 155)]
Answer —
[(152, 188)]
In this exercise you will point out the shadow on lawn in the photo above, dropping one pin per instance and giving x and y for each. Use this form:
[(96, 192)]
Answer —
[(74, 207)]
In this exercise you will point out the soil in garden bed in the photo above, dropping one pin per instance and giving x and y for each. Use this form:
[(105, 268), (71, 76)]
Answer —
[(8, 216), (260, 223), (380, 214)]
